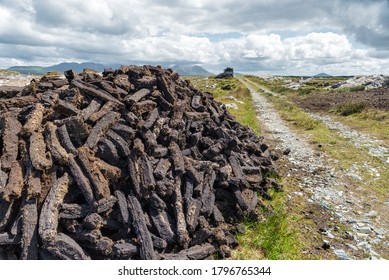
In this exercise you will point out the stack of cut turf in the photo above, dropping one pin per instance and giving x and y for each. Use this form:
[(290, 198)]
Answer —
[(130, 164)]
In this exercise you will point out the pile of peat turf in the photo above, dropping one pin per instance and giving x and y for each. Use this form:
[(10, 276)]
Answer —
[(131, 164)]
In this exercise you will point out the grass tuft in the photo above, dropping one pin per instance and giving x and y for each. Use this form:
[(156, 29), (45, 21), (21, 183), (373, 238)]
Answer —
[(273, 238), (350, 89), (349, 108)]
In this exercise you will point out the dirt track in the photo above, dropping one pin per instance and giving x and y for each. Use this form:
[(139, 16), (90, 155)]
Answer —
[(364, 217)]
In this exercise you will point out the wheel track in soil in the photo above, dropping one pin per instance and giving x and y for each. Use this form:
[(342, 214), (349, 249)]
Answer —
[(325, 186)]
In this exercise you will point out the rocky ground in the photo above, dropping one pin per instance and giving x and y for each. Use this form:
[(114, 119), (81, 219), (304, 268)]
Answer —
[(352, 223), (362, 81), (8, 78), (368, 81)]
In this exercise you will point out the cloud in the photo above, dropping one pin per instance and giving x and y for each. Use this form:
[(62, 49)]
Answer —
[(172, 47), (267, 35), (100, 17), (367, 21), (318, 46), (307, 54)]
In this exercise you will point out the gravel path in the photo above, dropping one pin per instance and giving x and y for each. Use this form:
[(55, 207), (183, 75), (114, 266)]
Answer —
[(322, 184)]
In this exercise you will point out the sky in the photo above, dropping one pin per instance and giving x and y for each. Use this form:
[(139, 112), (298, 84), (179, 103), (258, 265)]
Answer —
[(289, 37)]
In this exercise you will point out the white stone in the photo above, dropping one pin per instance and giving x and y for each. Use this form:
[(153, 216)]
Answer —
[(341, 254), (373, 253), (352, 246), (380, 231), (364, 244), (362, 235), (366, 230), (372, 214), (338, 215), (232, 106)]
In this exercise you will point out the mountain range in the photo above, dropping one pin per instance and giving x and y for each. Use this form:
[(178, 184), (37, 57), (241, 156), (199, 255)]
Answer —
[(183, 70), (191, 70), (40, 70)]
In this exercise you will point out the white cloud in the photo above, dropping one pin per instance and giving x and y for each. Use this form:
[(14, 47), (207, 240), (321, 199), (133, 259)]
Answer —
[(171, 47), (264, 46), (318, 45)]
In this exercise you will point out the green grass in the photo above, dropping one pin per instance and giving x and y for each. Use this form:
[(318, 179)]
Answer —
[(306, 90), (370, 121), (300, 119), (349, 109), (350, 89), (273, 238), (246, 114)]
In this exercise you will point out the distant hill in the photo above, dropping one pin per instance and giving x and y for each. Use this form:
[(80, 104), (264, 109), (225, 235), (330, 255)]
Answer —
[(36, 70), (183, 70), (322, 75), (78, 67), (39, 70), (191, 70)]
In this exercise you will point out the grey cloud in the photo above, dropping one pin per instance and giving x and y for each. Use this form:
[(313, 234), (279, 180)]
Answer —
[(278, 14), (379, 54), (86, 16), (257, 16), (367, 21), (274, 16), (370, 37)]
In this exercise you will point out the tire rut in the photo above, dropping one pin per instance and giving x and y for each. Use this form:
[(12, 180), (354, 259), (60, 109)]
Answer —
[(359, 140)]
